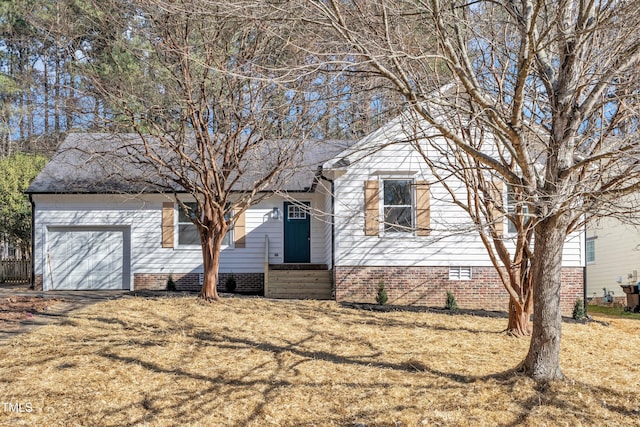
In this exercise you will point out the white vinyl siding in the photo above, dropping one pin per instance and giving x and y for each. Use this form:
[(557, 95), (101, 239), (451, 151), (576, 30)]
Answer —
[(324, 222), (143, 216), (449, 241), (616, 254)]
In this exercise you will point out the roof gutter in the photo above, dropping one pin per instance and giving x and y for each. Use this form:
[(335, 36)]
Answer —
[(123, 193), (584, 275)]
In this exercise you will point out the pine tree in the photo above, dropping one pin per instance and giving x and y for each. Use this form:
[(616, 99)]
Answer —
[(381, 298), (451, 303)]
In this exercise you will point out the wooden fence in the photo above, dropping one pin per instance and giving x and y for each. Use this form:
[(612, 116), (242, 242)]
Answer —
[(15, 271)]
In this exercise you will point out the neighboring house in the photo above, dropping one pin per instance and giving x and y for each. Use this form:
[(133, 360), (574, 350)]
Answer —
[(8, 250), (357, 217), (613, 259)]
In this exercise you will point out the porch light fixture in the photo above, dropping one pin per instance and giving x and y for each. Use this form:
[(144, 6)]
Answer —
[(275, 214)]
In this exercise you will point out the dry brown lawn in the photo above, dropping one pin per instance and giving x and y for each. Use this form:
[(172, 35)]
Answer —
[(257, 362)]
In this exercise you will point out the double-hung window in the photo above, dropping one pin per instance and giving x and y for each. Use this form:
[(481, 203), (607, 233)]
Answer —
[(591, 250), (188, 232), (513, 207), (398, 205)]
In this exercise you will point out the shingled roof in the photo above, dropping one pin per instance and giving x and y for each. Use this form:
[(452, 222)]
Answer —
[(103, 163)]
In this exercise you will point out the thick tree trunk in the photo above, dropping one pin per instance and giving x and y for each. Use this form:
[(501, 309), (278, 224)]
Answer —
[(520, 309), (211, 260), (45, 77), (519, 319), (543, 360), (57, 91)]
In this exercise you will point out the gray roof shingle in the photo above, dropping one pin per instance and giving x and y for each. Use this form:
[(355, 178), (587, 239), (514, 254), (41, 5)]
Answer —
[(103, 163)]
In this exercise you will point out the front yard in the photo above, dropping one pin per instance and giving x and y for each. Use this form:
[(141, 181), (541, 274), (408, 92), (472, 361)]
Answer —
[(252, 361)]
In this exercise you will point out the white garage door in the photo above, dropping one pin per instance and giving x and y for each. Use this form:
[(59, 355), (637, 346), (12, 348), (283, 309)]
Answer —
[(86, 259)]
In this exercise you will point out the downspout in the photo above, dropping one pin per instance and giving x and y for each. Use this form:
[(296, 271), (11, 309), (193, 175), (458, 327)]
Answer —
[(584, 274), (33, 241), (333, 229)]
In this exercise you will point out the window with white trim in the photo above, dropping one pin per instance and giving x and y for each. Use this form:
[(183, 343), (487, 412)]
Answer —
[(590, 250), (296, 212), (460, 273), (511, 209), (188, 232), (398, 205)]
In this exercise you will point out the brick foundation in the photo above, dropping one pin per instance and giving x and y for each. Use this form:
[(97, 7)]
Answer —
[(246, 283), (158, 281), (37, 282), (427, 286)]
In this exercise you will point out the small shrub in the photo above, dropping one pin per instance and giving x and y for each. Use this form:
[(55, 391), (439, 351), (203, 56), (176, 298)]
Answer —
[(230, 284), (171, 284), (451, 303), (578, 310), (381, 298)]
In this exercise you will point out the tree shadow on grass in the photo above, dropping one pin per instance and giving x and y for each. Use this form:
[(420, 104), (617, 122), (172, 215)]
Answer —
[(183, 406), (280, 366), (562, 395), (271, 385), (234, 343), (371, 314)]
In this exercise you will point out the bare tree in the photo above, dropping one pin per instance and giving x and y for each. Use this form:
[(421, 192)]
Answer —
[(481, 193), (212, 97), (555, 84)]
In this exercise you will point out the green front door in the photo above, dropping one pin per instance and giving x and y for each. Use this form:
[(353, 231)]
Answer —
[(297, 232)]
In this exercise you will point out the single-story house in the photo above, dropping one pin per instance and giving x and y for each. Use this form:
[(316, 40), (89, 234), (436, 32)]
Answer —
[(361, 215)]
